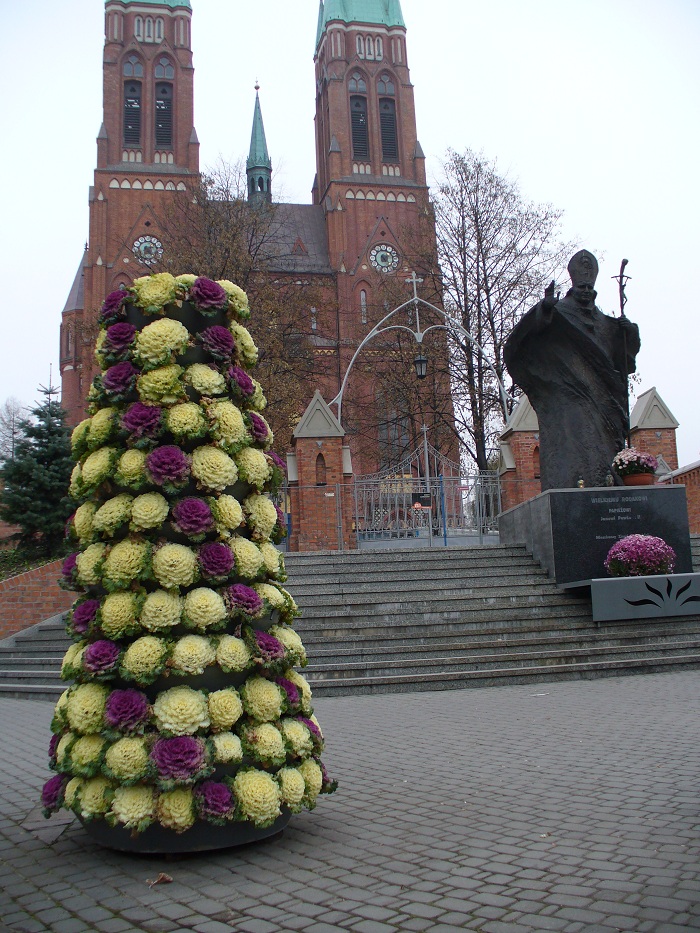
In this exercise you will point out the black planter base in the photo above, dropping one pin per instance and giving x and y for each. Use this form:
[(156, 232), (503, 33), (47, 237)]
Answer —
[(202, 837)]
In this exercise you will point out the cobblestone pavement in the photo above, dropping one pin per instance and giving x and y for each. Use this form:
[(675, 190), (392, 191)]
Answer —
[(566, 806)]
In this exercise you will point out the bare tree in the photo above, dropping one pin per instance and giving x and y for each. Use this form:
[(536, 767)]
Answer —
[(12, 413), (497, 251)]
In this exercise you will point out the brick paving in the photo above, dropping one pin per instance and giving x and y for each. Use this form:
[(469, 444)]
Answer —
[(566, 806)]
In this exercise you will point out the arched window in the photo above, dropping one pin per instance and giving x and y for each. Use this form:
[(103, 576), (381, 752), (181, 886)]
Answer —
[(165, 69), (360, 46), (536, 462), (363, 305), (320, 470), (133, 67), (159, 29), (378, 49), (164, 116), (138, 28), (357, 84), (369, 47), (149, 29), (360, 128), (387, 123), (385, 86), (132, 113)]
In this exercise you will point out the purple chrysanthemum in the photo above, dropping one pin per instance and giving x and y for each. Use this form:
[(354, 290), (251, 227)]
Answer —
[(258, 427), (119, 378), (242, 598), (100, 656), (290, 689), (168, 465), (216, 560), (278, 461), (83, 614), (214, 799), (270, 648), (241, 379), (127, 710), (52, 792), (178, 758), (142, 420), (312, 727), (640, 556), (69, 565), (207, 294), (118, 337), (218, 341), (113, 306), (193, 516)]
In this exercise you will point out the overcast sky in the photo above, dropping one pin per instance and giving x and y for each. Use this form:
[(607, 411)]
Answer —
[(591, 106)]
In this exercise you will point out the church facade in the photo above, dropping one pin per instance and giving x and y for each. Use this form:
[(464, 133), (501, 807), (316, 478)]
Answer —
[(367, 229)]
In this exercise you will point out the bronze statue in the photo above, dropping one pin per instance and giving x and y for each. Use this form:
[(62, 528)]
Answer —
[(573, 361)]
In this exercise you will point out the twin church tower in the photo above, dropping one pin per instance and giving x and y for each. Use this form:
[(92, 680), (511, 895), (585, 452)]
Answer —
[(368, 195)]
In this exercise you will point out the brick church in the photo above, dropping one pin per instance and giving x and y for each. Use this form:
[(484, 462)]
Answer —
[(357, 238)]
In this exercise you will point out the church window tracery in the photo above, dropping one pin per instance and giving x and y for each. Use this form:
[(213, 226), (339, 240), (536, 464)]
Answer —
[(149, 29), (378, 49), (133, 67), (360, 46), (159, 29), (165, 69), (357, 84), (138, 28)]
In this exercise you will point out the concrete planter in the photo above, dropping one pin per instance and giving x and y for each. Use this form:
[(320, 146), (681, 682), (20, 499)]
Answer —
[(659, 597)]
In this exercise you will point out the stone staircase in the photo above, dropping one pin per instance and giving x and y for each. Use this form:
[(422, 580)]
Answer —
[(434, 619)]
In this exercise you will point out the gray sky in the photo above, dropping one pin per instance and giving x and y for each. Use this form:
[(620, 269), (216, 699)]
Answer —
[(591, 106)]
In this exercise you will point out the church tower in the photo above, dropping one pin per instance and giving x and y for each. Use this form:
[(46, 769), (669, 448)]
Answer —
[(147, 149), (259, 164)]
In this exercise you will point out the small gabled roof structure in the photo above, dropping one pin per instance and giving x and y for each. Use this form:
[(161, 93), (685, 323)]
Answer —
[(651, 412), (318, 420)]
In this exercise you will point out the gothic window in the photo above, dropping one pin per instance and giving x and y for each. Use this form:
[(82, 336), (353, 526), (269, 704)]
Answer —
[(369, 47), (385, 86), (164, 116), (357, 84), (314, 319), (360, 45), (132, 113), (394, 435), (159, 29), (378, 49), (165, 69), (320, 470), (138, 28), (363, 305), (133, 67), (149, 29), (360, 129), (387, 123)]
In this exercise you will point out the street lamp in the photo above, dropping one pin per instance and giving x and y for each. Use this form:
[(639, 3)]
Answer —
[(421, 364)]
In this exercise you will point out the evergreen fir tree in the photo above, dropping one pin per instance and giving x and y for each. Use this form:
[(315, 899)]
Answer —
[(35, 482)]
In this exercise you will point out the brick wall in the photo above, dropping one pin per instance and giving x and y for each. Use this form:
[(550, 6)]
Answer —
[(522, 483), (655, 442), (690, 478), (31, 597)]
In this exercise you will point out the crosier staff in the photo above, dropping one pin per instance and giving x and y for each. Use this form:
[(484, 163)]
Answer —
[(622, 281)]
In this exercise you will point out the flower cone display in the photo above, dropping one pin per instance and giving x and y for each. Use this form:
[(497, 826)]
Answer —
[(187, 726)]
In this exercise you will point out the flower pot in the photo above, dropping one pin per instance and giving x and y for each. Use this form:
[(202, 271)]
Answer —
[(639, 479), (193, 319), (194, 355), (240, 490), (213, 678), (201, 837), (137, 317)]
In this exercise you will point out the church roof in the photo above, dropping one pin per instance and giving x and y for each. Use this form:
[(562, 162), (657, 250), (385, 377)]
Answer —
[(318, 420), (382, 12), (258, 156), (298, 243), (76, 298), (650, 411)]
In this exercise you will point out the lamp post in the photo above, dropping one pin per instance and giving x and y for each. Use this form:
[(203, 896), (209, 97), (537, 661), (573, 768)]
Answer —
[(421, 361)]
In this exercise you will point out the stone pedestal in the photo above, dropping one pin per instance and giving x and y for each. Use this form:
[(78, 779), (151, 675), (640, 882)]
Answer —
[(570, 531)]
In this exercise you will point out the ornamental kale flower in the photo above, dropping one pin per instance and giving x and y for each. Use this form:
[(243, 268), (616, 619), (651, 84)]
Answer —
[(168, 465), (113, 306), (142, 421), (118, 337), (258, 427), (640, 556), (241, 598), (84, 614), (269, 647), (213, 800), (178, 758), (69, 568), (293, 695), (216, 560), (240, 380), (119, 378), (207, 295), (100, 656), (193, 516), (52, 793), (312, 727), (53, 744), (279, 463), (218, 341), (127, 710)]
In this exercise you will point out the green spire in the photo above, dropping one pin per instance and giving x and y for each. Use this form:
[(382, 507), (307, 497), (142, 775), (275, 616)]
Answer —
[(258, 164), (383, 12)]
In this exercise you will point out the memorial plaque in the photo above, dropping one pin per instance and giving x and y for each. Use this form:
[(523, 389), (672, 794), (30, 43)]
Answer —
[(570, 531)]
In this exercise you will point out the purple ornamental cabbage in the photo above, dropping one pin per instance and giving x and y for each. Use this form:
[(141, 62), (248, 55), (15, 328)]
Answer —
[(242, 598), (269, 647), (193, 516), (127, 710), (53, 745), (118, 337), (52, 792), (83, 614), (312, 727), (280, 516), (100, 656), (278, 461), (119, 378), (178, 758), (218, 341), (258, 427), (113, 306), (142, 420), (241, 379), (69, 567), (207, 294), (216, 560), (290, 689), (214, 799), (168, 465)]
